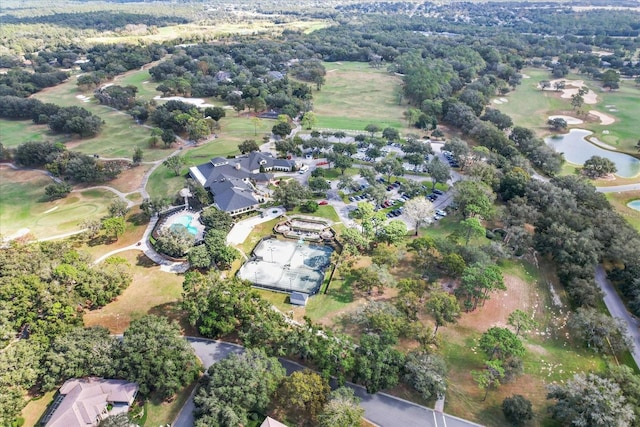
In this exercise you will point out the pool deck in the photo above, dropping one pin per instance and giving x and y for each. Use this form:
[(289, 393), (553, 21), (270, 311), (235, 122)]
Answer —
[(195, 223)]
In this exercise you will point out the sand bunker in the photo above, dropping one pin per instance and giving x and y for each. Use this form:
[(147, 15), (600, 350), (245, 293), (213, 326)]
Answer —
[(605, 119), (83, 98), (51, 210), (198, 102), (571, 88), (525, 76), (497, 101), (570, 120)]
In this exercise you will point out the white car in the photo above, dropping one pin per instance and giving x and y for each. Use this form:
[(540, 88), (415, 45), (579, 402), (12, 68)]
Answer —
[(440, 212)]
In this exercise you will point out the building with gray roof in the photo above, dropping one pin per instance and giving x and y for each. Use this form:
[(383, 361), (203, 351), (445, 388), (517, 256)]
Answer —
[(231, 181)]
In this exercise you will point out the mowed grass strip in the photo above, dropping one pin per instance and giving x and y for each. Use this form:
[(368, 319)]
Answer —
[(356, 95), (22, 205)]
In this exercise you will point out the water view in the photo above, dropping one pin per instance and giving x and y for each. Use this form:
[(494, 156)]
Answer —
[(577, 150), (634, 204)]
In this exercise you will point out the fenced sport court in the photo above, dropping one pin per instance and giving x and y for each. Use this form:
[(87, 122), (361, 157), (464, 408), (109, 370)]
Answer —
[(287, 265)]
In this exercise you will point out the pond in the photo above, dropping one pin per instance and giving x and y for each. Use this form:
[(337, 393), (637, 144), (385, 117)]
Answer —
[(634, 204), (577, 150)]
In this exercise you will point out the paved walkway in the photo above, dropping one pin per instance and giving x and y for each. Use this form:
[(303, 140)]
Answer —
[(144, 246), (617, 309), (242, 229), (381, 409)]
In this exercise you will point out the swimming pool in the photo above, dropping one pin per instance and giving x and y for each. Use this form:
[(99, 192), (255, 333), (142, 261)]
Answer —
[(185, 220), (634, 204)]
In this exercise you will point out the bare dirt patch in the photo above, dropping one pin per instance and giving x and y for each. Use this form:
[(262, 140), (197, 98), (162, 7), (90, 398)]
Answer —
[(21, 176), (130, 179), (502, 303)]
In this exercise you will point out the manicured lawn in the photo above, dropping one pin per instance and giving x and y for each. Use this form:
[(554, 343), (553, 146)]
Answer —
[(152, 291), (356, 95), (163, 182), (619, 202), (530, 107), (36, 407), (22, 205), (141, 80), (15, 132), (623, 134), (161, 413), (326, 211)]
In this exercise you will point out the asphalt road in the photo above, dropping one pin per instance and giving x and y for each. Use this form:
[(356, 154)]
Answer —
[(381, 409), (617, 309), (619, 188)]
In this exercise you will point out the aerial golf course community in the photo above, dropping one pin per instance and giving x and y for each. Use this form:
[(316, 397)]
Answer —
[(323, 214)]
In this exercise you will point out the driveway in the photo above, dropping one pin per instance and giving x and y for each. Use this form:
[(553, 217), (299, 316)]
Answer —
[(380, 408), (242, 229), (617, 309)]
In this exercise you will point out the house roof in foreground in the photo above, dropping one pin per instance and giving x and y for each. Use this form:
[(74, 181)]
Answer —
[(85, 399), (270, 422), (233, 199)]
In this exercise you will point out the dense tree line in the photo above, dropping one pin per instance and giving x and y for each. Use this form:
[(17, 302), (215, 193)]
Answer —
[(220, 307), (71, 120), (121, 98), (235, 74), (18, 82), (69, 165), (99, 20), (151, 353)]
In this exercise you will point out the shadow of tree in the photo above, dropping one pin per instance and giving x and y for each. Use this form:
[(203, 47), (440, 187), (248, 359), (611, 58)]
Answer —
[(143, 261), (138, 219), (173, 311)]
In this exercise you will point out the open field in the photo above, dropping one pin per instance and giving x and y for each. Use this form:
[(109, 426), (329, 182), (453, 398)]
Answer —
[(120, 135), (151, 291), (15, 132), (142, 80), (550, 355), (22, 205), (189, 31), (356, 95), (528, 106)]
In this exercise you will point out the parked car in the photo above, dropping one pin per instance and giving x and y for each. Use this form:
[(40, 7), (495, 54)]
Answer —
[(352, 199), (438, 192), (441, 212), (323, 203)]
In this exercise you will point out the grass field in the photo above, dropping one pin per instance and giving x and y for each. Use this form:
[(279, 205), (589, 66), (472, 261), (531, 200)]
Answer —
[(530, 107), (189, 31), (356, 95), (152, 291), (619, 202), (142, 80), (22, 205), (35, 408)]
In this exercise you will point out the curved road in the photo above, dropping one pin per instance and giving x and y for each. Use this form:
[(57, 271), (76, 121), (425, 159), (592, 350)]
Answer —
[(617, 309), (619, 188), (381, 409)]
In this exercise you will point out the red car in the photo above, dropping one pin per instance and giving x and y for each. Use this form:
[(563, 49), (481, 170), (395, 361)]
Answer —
[(324, 202)]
